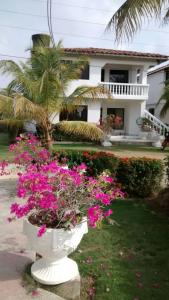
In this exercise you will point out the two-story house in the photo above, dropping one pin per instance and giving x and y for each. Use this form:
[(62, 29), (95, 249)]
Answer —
[(157, 76), (124, 74)]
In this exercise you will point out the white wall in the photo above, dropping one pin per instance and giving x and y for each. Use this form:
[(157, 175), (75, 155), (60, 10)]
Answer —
[(134, 111), (97, 63), (94, 112), (156, 82)]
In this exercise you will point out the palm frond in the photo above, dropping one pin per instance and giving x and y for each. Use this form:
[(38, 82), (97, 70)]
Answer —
[(84, 93), (12, 123), (164, 100), (130, 16), (87, 130), (166, 17)]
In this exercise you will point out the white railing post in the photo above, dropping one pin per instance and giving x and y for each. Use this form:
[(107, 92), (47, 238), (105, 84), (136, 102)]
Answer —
[(126, 89)]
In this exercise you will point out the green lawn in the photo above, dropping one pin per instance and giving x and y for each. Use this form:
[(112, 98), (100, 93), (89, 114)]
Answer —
[(130, 260), (117, 148), (125, 261)]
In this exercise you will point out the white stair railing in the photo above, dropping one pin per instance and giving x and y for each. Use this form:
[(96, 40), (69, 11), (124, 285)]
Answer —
[(157, 124)]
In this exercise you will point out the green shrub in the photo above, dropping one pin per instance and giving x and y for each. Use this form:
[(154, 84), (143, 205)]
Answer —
[(166, 161), (140, 176), (96, 162)]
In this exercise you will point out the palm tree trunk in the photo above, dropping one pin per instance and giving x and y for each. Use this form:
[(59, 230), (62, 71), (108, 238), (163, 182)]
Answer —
[(47, 139)]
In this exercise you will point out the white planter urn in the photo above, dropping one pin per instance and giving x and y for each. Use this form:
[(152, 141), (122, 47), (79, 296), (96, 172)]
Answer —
[(54, 246)]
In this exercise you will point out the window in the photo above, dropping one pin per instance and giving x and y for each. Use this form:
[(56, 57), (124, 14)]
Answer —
[(85, 72), (167, 75), (119, 76), (80, 114), (118, 112), (102, 75), (151, 111)]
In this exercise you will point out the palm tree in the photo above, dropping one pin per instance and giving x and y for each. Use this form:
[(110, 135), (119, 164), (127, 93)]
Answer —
[(39, 88), (164, 100), (129, 17)]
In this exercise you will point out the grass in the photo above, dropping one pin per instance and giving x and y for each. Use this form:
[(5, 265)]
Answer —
[(4, 144), (117, 149), (127, 260), (114, 148)]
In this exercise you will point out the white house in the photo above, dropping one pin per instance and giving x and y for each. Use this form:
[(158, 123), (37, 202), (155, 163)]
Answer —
[(124, 74), (157, 77)]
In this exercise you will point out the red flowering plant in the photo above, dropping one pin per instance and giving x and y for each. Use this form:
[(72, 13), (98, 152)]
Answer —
[(52, 196)]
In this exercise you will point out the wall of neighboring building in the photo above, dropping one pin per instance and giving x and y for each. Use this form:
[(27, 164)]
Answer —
[(156, 82)]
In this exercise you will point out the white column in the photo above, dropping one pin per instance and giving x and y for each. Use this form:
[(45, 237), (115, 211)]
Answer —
[(94, 111), (143, 75), (95, 71), (134, 74), (134, 111)]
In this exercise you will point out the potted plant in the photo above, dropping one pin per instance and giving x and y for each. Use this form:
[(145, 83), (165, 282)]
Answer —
[(108, 125), (58, 203)]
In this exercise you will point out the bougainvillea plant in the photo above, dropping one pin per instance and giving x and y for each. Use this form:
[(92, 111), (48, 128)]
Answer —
[(27, 150), (52, 196)]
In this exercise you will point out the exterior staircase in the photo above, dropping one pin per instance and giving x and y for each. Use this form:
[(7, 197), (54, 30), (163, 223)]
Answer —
[(157, 124)]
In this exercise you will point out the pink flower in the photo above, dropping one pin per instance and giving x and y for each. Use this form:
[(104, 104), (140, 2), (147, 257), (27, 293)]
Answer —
[(21, 193), (108, 213), (95, 215), (41, 230)]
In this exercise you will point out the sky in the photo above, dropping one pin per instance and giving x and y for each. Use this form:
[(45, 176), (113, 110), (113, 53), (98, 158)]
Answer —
[(78, 23)]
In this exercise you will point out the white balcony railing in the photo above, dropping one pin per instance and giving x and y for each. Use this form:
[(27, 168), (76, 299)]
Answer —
[(128, 90)]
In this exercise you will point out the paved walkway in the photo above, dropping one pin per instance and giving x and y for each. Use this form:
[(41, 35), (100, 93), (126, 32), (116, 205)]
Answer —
[(13, 253)]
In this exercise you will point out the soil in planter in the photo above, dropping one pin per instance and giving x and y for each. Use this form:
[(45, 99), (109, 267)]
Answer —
[(51, 222)]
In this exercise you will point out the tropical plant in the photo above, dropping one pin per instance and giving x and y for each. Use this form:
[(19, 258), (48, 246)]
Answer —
[(40, 87), (79, 128), (128, 19), (164, 100), (58, 197)]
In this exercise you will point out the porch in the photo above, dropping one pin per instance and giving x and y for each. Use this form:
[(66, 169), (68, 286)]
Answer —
[(126, 91)]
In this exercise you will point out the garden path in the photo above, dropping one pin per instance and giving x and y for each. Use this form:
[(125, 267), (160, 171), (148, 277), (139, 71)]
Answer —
[(13, 254)]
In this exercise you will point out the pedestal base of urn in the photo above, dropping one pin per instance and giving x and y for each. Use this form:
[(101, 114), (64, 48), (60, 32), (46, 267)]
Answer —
[(54, 272)]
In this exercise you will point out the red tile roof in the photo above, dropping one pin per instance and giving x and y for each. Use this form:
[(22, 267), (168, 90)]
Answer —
[(111, 52)]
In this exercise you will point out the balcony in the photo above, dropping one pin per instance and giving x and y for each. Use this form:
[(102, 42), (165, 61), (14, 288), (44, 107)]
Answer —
[(126, 90)]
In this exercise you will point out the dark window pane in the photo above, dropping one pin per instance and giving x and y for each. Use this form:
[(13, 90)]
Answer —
[(117, 112), (85, 72), (119, 76), (102, 75), (151, 111), (167, 75), (80, 114)]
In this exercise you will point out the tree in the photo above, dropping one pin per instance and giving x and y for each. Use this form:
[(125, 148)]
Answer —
[(164, 100), (129, 17), (39, 88)]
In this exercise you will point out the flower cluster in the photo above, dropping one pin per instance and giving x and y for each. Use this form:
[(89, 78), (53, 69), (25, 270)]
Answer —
[(58, 197), (3, 168), (27, 149)]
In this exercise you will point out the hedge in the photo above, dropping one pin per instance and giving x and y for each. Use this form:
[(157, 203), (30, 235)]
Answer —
[(139, 177)]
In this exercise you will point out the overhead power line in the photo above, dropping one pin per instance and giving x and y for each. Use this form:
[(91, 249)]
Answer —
[(12, 56), (71, 34), (71, 20), (74, 5), (53, 17)]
